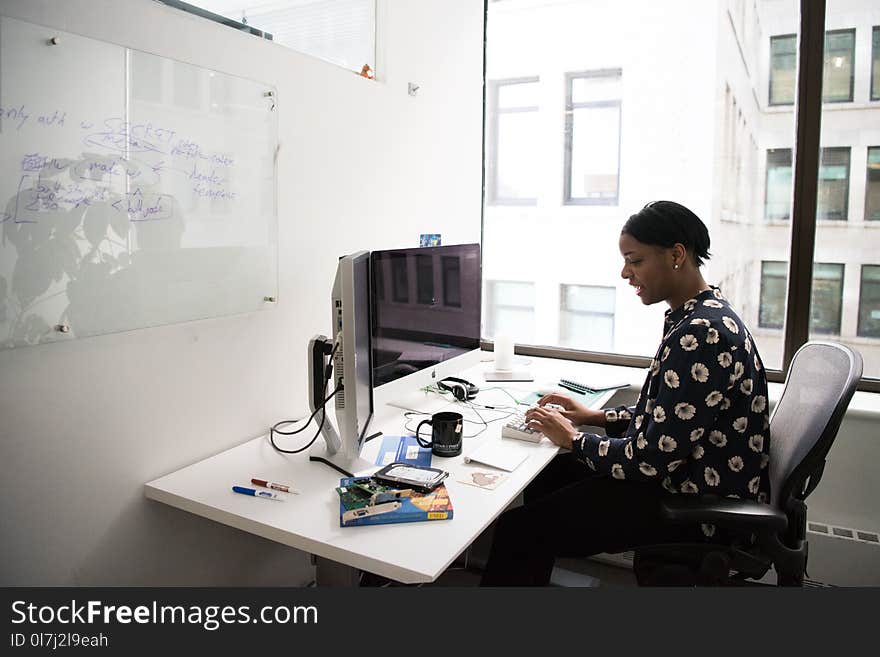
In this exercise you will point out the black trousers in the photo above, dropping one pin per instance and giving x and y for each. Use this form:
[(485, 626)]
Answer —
[(569, 511)]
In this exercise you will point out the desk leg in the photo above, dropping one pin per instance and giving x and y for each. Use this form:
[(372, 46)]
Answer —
[(334, 574)]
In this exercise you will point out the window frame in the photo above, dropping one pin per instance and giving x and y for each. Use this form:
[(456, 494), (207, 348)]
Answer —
[(570, 108), (770, 103), (494, 112), (868, 182)]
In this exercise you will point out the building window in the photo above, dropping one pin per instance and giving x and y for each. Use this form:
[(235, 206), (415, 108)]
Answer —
[(783, 64), (833, 184), (511, 161), (771, 313), (777, 198), (586, 317), (826, 296), (592, 138), (869, 302), (511, 306), (875, 64), (872, 185), (837, 75)]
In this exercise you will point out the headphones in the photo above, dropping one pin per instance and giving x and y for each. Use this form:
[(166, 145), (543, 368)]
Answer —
[(462, 390)]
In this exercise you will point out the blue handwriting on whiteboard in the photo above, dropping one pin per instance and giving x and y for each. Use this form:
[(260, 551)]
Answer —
[(19, 114), (144, 208)]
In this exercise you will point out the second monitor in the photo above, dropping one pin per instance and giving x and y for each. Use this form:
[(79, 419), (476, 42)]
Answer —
[(426, 305)]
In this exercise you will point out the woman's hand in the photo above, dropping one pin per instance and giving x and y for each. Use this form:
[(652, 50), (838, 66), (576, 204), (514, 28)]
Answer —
[(553, 424), (575, 413)]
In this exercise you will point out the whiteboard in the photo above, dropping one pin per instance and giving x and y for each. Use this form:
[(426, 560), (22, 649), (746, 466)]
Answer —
[(135, 190)]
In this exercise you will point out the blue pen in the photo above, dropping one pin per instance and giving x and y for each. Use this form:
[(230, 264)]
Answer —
[(265, 494)]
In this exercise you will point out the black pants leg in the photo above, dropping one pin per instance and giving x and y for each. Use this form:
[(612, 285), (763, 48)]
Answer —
[(570, 512)]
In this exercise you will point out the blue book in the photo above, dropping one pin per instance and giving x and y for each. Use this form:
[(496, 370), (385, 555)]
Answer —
[(403, 449)]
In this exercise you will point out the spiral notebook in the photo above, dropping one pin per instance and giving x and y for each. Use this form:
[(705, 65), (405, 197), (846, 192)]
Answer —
[(497, 454)]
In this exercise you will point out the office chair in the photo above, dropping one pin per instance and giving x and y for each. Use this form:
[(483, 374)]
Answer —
[(818, 388)]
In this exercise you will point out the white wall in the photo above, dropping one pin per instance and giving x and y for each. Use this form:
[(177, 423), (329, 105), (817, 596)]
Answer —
[(83, 425)]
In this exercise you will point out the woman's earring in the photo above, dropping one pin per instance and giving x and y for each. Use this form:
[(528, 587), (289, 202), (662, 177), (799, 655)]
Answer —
[(675, 266)]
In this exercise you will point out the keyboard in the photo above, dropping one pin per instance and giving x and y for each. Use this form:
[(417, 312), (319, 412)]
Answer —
[(517, 428)]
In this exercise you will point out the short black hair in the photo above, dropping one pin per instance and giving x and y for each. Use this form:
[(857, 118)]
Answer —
[(666, 223)]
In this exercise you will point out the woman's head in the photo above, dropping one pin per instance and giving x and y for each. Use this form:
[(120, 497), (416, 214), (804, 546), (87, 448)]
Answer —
[(663, 246)]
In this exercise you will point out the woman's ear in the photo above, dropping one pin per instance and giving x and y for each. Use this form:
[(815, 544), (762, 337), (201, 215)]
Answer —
[(679, 255)]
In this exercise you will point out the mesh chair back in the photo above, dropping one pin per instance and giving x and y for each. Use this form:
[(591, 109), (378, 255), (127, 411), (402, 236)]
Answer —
[(818, 388)]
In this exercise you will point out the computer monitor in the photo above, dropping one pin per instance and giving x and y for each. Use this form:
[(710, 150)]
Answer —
[(351, 375), (425, 321)]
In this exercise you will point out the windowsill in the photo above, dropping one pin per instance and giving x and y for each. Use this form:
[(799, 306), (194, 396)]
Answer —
[(844, 105)]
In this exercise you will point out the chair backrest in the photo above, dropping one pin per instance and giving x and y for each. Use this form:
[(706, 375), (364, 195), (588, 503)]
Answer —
[(818, 388)]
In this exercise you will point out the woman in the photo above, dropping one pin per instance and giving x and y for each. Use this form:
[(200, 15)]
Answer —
[(700, 426)]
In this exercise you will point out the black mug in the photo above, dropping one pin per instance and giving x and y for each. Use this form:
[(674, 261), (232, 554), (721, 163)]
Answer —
[(446, 433)]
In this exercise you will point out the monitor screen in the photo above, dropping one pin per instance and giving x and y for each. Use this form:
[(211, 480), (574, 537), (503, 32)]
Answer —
[(426, 308)]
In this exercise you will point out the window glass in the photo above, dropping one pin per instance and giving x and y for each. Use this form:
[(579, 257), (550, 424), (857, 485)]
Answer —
[(587, 317), (849, 137), (833, 184), (869, 302), (592, 138), (783, 64), (778, 192), (511, 310), (342, 32), (872, 185), (826, 296), (875, 63), (837, 79), (514, 138)]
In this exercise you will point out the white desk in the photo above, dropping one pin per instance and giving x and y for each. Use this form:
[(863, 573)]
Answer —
[(406, 552)]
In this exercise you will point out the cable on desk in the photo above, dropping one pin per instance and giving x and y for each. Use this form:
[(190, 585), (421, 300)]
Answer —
[(275, 427)]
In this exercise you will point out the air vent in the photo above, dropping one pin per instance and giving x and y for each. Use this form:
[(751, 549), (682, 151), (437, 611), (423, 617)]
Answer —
[(846, 533)]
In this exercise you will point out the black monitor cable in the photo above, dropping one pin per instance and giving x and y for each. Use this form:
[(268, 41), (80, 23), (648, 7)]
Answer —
[(275, 427)]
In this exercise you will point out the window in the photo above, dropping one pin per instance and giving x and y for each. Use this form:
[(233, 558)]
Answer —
[(783, 64), (342, 32), (837, 72), (592, 138), (586, 317), (511, 307), (825, 298), (772, 308), (875, 64), (777, 200), (869, 302), (833, 184), (837, 76), (511, 165), (872, 185)]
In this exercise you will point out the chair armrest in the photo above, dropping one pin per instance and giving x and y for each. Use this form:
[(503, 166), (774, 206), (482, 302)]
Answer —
[(725, 512)]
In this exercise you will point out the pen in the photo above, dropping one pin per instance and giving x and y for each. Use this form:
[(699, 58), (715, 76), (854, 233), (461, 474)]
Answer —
[(268, 484), (266, 495)]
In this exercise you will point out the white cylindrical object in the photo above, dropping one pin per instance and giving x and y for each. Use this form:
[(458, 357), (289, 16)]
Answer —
[(503, 352)]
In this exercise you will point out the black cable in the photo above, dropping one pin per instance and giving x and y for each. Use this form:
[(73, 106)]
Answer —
[(274, 428)]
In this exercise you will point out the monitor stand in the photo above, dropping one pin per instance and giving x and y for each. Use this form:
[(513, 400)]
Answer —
[(342, 463)]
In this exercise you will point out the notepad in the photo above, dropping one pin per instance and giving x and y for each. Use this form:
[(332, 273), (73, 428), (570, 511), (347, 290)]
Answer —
[(500, 455)]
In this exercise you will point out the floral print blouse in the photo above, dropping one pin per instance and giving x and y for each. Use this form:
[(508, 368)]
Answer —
[(701, 423)]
